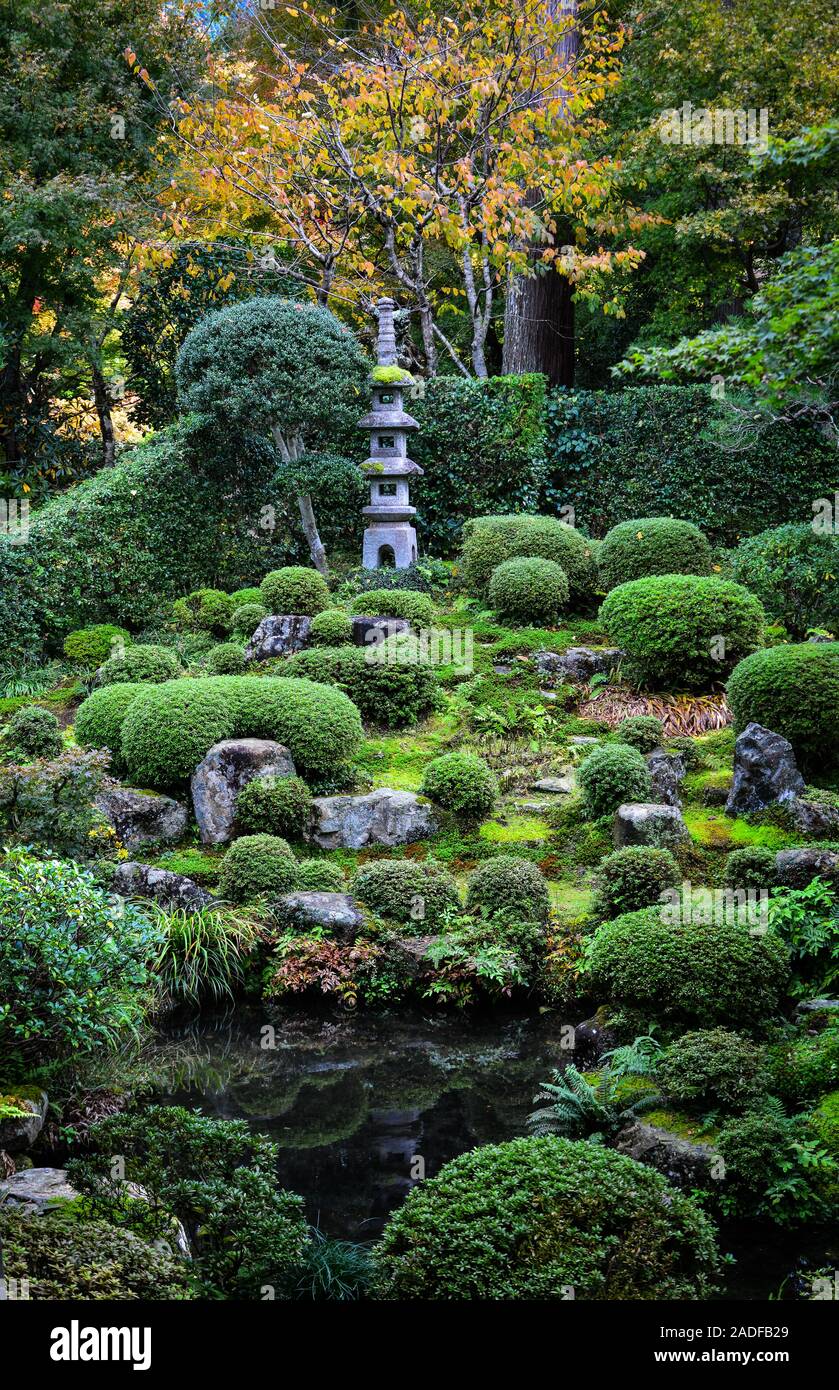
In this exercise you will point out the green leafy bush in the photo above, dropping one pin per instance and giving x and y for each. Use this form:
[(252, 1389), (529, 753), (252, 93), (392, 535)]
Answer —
[(753, 867), (528, 590), (807, 1066), (34, 732), (712, 1069), (227, 659), (319, 876), (140, 663), (825, 1122), (682, 631), (793, 691), (793, 570), (256, 864), (295, 589), (490, 540), (642, 731), (87, 1261), (389, 686), (612, 775), (168, 728), (508, 886), (408, 891), (88, 647), (462, 783), (274, 806), (100, 717), (652, 545), (74, 966), (50, 803), (205, 610), (414, 607), (694, 972), (331, 628), (250, 594), (247, 617), (535, 1218), (633, 878)]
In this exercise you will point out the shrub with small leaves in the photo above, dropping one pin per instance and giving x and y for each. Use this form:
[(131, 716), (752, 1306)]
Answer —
[(227, 659), (753, 867), (712, 1069), (205, 610), (634, 877), (529, 590), (641, 731), (88, 647), (256, 864), (612, 775), (489, 540), (652, 545), (34, 732), (140, 663), (331, 628), (247, 617), (407, 891), (274, 806), (295, 589), (462, 783), (88, 1261), (319, 876), (100, 717), (794, 691), (414, 607), (511, 887)]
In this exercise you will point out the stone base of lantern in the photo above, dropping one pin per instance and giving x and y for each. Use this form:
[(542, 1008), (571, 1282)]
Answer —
[(394, 544)]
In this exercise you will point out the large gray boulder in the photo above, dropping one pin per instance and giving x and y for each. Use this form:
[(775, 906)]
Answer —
[(337, 913), (667, 771), (143, 818), (817, 818), (578, 663), (371, 632), (795, 868), (133, 880), (281, 634), (686, 1164), (221, 775), (765, 772), (36, 1189), (382, 817), (649, 823), (16, 1135)]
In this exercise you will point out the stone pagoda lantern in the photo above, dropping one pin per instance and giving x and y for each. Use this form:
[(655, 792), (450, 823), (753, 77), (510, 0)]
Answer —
[(390, 538)]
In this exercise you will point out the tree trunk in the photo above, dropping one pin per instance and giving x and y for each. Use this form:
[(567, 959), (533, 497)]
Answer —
[(539, 311), (310, 527), (103, 411)]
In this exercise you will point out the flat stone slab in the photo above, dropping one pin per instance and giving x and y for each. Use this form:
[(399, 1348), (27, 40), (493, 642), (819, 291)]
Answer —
[(36, 1189), (221, 775), (649, 823), (279, 634), (580, 740), (336, 913), (371, 632), (382, 817), (558, 786), (578, 663), (682, 1161), (142, 818), (134, 880)]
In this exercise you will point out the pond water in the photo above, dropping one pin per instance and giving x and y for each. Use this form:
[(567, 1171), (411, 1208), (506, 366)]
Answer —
[(359, 1104)]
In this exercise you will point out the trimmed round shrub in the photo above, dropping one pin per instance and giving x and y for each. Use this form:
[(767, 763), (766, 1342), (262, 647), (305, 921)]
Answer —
[(414, 607), (385, 682), (319, 876), (612, 775), (34, 732), (535, 1217), (489, 540), (407, 891), (634, 877), (295, 589), (74, 970), (88, 647), (227, 659), (694, 972), (168, 728), (753, 867), (793, 691), (462, 783), (713, 1069), (641, 731), (793, 570), (247, 617), (251, 594), (88, 1261), (331, 628), (205, 610), (682, 631), (808, 1066), (99, 718), (275, 806), (152, 664), (256, 864), (529, 590), (511, 886), (652, 545)]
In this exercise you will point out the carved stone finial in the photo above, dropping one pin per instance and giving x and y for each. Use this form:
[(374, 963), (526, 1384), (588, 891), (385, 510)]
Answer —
[(386, 347)]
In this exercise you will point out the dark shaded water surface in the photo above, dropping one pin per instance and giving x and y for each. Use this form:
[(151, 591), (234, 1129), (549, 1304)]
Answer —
[(361, 1105)]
